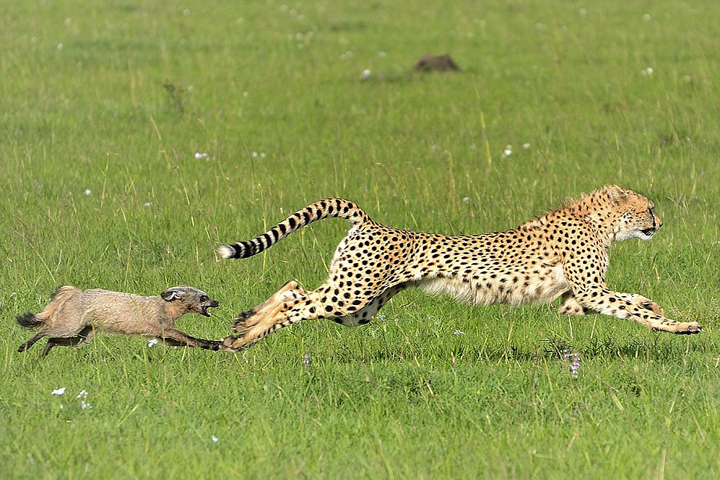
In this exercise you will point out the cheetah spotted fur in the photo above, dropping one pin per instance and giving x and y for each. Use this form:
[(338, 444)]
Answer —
[(561, 254)]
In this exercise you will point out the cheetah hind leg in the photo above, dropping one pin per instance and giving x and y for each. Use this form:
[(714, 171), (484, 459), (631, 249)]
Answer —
[(248, 319), (363, 316)]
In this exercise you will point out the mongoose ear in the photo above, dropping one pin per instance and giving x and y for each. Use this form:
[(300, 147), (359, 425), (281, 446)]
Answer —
[(170, 294)]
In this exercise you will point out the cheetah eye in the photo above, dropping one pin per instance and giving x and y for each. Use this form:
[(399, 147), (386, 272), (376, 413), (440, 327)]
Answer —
[(203, 298)]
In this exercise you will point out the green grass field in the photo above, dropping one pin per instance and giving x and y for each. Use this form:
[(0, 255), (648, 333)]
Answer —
[(104, 106)]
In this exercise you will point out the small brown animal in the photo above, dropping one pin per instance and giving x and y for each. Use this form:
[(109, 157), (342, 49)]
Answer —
[(436, 63), (73, 316)]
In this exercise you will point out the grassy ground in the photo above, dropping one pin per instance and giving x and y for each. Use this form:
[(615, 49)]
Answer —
[(103, 108)]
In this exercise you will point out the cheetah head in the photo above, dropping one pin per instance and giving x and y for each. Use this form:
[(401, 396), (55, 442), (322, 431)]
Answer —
[(635, 216)]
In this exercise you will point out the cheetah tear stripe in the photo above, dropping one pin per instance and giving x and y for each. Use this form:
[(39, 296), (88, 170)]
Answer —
[(328, 208)]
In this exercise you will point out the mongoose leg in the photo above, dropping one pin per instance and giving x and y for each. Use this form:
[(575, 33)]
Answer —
[(176, 338), (32, 340), (82, 338)]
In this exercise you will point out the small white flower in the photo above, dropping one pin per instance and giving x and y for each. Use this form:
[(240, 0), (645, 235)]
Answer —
[(60, 46), (198, 155), (458, 332), (365, 74), (68, 21), (254, 154), (647, 17), (147, 204), (214, 438), (526, 146), (646, 71), (191, 88), (246, 94), (262, 155), (466, 199), (152, 342), (508, 151), (381, 316), (84, 404), (382, 54), (82, 394), (62, 407), (59, 391), (88, 191)]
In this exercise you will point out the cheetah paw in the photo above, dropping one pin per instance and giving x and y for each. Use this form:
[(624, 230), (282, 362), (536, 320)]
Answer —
[(689, 328), (243, 321)]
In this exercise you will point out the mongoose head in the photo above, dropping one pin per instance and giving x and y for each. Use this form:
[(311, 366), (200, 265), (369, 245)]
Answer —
[(191, 299)]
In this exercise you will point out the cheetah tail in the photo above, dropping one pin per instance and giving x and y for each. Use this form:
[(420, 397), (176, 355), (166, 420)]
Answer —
[(328, 208)]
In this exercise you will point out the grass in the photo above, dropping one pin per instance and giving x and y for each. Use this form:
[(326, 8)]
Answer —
[(104, 106)]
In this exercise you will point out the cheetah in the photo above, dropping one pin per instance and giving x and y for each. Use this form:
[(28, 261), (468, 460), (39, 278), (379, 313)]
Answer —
[(563, 253)]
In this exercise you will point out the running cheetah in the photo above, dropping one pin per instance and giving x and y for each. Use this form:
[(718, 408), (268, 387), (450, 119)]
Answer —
[(563, 253)]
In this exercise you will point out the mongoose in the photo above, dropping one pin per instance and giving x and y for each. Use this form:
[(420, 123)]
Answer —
[(73, 316)]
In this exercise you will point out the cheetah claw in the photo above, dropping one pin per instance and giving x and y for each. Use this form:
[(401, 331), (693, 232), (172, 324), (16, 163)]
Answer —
[(692, 329), (240, 321)]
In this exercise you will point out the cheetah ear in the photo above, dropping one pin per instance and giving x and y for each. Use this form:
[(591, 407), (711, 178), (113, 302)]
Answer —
[(170, 294), (617, 195)]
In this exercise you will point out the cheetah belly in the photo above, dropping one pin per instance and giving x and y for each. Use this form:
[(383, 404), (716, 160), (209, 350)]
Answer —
[(545, 286)]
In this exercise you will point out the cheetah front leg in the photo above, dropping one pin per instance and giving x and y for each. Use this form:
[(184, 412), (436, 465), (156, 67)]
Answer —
[(569, 305), (623, 305), (586, 279)]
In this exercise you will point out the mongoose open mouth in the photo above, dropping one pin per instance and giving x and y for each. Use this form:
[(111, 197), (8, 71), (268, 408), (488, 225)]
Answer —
[(205, 308)]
